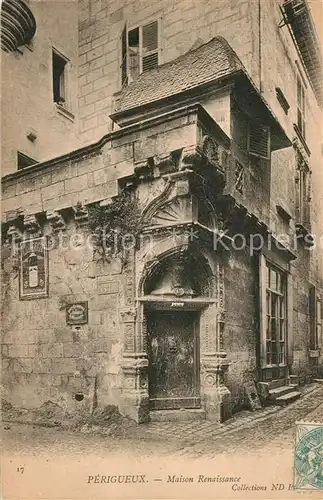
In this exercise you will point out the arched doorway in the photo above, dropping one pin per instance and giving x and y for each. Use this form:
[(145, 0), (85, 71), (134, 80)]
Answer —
[(175, 297)]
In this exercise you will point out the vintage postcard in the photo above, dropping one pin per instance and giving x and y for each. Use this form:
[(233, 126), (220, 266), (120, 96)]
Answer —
[(162, 249)]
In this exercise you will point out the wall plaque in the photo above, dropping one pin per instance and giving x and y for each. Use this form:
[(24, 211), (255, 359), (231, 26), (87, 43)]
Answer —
[(33, 272), (77, 313)]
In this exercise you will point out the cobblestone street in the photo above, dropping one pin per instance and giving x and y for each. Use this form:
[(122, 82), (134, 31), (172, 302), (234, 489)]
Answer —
[(159, 450)]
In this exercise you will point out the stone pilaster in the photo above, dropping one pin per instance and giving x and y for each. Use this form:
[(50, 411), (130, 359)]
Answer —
[(216, 396), (135, 401)]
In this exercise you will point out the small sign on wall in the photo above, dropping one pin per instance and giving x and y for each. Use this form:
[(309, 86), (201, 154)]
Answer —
[(33, 272), (77, 313)]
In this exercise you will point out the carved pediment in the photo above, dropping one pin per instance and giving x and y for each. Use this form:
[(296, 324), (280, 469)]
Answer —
[(179, 275)]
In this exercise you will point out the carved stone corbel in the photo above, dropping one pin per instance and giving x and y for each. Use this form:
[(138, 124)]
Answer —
[(189, 158), (31, 225), (81, 215), (164, 163), (144, 171), (56, 221), (13, 233), (210, 149)]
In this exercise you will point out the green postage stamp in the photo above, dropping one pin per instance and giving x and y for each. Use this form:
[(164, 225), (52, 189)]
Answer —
[(308, 457)]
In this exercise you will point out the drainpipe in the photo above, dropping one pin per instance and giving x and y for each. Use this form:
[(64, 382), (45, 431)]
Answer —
[(260, 46)]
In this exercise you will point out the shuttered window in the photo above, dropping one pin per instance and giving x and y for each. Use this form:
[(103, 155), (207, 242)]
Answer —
[(141, 49), (124, 55), (149, 47), (259, 140), (303, 191), (301, 107)]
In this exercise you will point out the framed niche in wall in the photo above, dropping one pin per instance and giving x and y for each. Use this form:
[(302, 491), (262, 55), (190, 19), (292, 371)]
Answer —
[(33, 269)]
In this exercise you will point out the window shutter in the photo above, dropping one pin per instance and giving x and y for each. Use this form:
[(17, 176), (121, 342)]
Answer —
[(262, 309), (298, 196), (312, 313), (259, 141), (150, 46), (124, 56)]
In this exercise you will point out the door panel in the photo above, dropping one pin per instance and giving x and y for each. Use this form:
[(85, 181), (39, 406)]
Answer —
[(173, 360)]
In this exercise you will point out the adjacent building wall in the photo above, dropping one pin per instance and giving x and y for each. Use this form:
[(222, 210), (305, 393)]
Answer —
[(26, 88)]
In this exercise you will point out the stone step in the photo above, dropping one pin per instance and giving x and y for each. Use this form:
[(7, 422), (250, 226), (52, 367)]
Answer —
[(184, 415), (273, 384), (281, 391), (288, 398), (318, 380)]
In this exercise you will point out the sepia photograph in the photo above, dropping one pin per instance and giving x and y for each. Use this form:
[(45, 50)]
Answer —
[(161, 249)]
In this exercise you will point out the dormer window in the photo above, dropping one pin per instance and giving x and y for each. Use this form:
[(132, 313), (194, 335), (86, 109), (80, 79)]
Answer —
[(140, 50)]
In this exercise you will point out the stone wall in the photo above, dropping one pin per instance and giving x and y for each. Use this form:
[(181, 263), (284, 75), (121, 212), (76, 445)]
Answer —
[(26, 89), (44, 358), (241, 327), (100, 29)]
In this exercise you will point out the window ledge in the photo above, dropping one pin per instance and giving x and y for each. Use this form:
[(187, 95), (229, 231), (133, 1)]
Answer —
[(301, 138), (64, 112), (282, 212)]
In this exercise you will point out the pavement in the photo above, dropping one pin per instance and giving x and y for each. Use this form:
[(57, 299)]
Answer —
[(254, 451)]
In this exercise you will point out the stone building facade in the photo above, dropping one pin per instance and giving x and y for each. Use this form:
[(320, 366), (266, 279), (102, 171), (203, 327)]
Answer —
[(200, 164)]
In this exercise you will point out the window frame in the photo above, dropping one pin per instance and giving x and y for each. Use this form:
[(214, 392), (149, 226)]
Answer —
[(303, 190), (126, 58), (265, 267), (65, 75), (301, 106)]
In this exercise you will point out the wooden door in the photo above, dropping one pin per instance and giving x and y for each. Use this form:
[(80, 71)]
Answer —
[(173, 359)]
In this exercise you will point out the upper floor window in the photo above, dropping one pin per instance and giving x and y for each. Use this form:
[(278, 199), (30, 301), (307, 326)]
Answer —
[(259, 140), (24, 161), (59, 78), (140, 50), (303, 191), (301, 107)]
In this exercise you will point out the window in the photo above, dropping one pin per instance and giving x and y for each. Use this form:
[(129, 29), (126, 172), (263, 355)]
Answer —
[(259, 140), (273, 316), (302, 191), (59, 78), (282, 100), (315, 310), (276, 316), (301, 114), (140, 50), (24, 161)]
